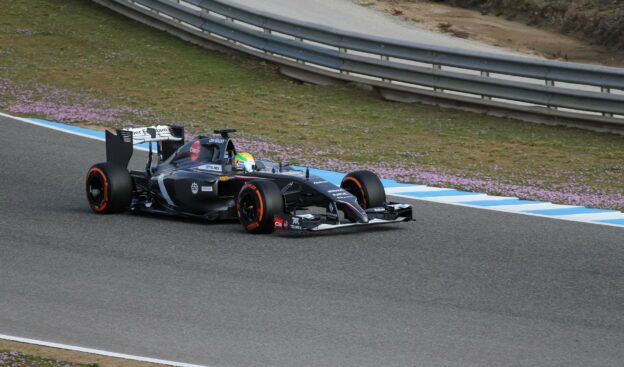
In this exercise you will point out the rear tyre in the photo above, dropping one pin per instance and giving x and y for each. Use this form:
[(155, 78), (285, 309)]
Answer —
[(366, 187), (257, 204), (108, 188)]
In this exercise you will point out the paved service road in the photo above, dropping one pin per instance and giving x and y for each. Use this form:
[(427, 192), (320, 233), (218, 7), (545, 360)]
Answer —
[(346, 15), (459, 287)]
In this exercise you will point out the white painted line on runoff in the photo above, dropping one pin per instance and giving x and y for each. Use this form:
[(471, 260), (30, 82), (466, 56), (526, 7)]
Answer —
[(415, 188), (450, 196), (458, 199), (66, 131), (527, 207), (98, 352), (50, 127), (594, 216)]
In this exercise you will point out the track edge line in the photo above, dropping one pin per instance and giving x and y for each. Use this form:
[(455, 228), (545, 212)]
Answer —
[(97, 351)]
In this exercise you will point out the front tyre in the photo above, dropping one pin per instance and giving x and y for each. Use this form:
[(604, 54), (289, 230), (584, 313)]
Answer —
[(257, 204), (366, 187), (108, 188)]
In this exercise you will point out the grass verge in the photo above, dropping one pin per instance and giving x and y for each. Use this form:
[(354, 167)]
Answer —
[(77, 62), (13, 354)]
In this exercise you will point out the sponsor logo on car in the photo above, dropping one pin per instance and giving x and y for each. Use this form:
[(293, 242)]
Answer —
[(332, 211), (377, 210), (194, 188), (206, 188), (143, 132), (216, 140), (280, 223), (211, 167)]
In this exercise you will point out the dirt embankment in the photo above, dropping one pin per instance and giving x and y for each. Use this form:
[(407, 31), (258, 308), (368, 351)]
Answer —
[(535, 27), (597, 21)]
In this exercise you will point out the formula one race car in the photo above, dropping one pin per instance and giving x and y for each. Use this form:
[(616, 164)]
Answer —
[(207, 178)]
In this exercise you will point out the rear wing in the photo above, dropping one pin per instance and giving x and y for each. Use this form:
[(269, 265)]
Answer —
[(155, 133), (119, 146)]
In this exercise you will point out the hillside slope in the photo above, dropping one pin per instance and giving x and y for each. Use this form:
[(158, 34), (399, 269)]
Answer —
[(597, 21)]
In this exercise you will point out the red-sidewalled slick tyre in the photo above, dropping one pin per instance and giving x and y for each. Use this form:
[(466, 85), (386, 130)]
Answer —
[(257, 204), (366, 187), (108, 188)]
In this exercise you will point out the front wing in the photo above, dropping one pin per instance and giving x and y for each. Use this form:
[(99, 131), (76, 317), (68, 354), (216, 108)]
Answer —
[(388, 214)]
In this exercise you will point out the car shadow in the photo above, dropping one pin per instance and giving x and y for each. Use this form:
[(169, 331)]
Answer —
[(236, 227)]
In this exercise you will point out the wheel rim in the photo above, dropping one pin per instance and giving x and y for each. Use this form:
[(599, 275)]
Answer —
[(353, 187), (96, 190), (248, 208)]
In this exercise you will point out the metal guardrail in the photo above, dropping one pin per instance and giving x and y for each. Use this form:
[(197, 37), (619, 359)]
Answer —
[(318, 53)]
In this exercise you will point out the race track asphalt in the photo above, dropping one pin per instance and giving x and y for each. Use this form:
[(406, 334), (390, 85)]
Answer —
[(458, 287)]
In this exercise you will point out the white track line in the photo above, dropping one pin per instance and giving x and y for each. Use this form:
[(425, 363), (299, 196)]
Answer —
[(28, 121), (50, 127), (415, 188), (526, 207), (98, 352), (456, 199), (594, 216)]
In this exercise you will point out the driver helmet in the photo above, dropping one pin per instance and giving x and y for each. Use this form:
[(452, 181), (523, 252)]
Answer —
[(244, 161)]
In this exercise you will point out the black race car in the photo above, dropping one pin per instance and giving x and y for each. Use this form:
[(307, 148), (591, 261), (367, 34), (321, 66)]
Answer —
[(198, 179)]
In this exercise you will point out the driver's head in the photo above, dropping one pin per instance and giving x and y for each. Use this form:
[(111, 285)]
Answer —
[(244, 161)]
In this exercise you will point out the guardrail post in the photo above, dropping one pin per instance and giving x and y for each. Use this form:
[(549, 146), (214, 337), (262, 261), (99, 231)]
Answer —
[(206, 12), (176, 19), (385, 58), (606, 90), (231, 20), (550, 83), (485, 74), (343, 50), (299, 39), (268, 31), (437, 67)]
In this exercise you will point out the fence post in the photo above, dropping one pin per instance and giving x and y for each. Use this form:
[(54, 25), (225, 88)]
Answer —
[(344, 51), (606, 90), (485, 74), (385, 58), (269, 32), (437, 67), (176, 19), (550, 83), (299, 39), (231, 20)]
